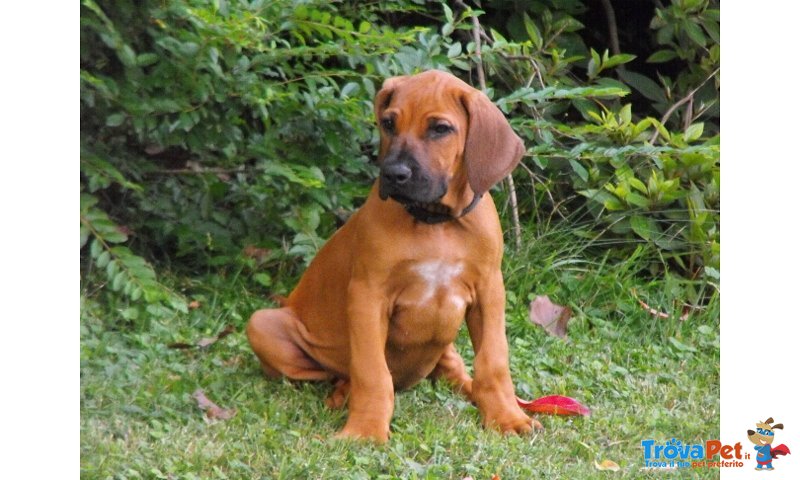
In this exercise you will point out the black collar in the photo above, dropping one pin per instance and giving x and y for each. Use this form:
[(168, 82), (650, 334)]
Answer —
[(432, 218)]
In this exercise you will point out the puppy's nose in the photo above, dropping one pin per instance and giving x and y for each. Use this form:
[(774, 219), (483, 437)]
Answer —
[(396, 173)]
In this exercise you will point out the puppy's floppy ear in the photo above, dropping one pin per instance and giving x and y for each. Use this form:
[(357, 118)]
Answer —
[(384, 96), (779, 426), (492, 148)]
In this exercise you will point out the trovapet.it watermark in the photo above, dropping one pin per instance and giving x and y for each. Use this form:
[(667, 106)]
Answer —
[(674, 454)]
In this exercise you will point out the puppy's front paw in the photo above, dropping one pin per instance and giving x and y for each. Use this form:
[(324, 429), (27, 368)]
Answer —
[(511, 421), (364, 430)]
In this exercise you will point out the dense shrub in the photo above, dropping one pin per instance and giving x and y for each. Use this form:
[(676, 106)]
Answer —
[(241, 133)]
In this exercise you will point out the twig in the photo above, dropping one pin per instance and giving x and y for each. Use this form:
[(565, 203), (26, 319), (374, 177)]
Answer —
[(476, 36), (658, 314), (533, 188), (687, 116), (680, 102), (514, 212), (611, 18)]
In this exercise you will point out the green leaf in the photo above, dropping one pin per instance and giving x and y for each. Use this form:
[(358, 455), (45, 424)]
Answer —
[(448, 13), (662, 56), (115, 119), (695, 33), (712, 28), (178, 304), (637, 184), (454, 50), (616, 60), (637, 200), (349, 89), (711, 272), (680, 346), (644, 85), (95, 248), (694, 132), (532, 30), (263, 279), (127, 56), (613, 204), (146, 59), (594, 65), (102, 259), (118, 281), (136, 293), (579, 169), (112, 268), (84, 235), (447, 29), (625, 114), (498, 38), (643, 226), (662, 130)]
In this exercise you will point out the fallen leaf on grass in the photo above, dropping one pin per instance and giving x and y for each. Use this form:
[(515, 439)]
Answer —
[(204, 342), (213, 411), (552, 317), (256, 253), (194, 304), (607, 465), (555, 405)]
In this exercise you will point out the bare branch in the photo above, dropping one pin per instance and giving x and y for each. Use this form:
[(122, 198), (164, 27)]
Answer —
[(689, 96)]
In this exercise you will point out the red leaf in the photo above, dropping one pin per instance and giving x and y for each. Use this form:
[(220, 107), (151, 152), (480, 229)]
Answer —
[(555, 405), (552, 317)]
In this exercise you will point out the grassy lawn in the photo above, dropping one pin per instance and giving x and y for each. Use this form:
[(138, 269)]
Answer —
[(642, 376)]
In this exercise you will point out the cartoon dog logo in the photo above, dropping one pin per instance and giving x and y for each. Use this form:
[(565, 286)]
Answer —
[(763, 437)]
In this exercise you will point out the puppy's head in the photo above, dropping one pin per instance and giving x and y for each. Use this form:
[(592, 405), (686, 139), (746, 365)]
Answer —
[(442, 142)]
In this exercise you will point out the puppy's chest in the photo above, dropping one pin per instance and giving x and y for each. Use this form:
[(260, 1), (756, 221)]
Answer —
[(431, 303)]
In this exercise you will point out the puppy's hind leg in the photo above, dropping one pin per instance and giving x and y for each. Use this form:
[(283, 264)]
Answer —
[(274, 336), (451, 367)]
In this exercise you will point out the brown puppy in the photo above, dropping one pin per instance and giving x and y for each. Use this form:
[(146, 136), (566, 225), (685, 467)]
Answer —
[(381, 304)]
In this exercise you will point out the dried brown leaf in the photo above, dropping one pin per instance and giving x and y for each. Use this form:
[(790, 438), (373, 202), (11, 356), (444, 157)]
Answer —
[(607, 465), (552, 317), (213, 411), (256, 253)]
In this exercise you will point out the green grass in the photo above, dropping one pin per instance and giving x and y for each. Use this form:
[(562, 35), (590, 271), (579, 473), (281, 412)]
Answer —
[(642, 376)]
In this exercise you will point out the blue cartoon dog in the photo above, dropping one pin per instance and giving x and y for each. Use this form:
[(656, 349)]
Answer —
[(763, 438)]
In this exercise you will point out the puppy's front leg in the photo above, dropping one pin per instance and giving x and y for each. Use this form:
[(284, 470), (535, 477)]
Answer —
[(492, 389), (371, 400)]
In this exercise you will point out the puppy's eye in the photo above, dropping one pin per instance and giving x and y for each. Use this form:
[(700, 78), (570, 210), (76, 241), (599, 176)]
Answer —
[(441, 129), (387, 124)]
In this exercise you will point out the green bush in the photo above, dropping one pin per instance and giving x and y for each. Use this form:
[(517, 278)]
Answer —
[(210, 127)]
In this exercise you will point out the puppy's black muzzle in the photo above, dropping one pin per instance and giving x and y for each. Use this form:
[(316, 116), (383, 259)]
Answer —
[(404, 179)]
